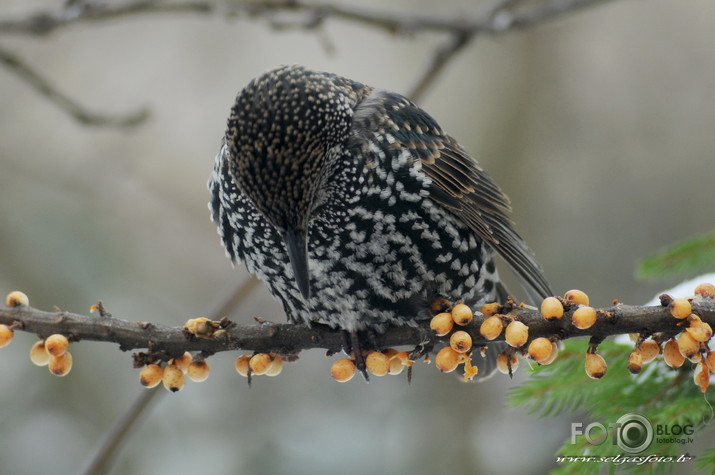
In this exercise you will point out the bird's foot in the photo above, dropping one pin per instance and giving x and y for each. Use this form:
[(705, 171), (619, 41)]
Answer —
[(358, 344)]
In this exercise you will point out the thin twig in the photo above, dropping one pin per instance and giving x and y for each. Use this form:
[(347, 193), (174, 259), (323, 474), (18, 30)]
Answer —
[(70, 106), (102, 460)]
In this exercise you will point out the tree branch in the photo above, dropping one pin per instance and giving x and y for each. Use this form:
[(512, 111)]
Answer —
[(501, 16), (43, 86), (289, 339)]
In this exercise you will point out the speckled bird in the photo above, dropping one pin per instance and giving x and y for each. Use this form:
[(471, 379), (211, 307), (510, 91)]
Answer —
[(355, 208)]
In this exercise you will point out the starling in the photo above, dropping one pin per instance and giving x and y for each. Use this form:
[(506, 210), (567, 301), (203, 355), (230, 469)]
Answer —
[(354, 207)]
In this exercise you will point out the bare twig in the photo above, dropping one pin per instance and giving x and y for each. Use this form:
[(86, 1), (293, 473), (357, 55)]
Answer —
[(289, 339), (501, 16), (43, 86), (101, 461)]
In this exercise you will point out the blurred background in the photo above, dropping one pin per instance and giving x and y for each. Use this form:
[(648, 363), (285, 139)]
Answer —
[(599, 126)]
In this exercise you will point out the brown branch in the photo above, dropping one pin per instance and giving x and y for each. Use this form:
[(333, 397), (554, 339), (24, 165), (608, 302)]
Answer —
[(44, 87), (501, 16), (289, 339)]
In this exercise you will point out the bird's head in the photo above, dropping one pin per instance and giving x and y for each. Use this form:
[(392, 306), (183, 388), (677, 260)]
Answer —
[(282, 132)]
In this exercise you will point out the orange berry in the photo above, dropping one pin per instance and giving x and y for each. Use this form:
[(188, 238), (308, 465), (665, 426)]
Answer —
[(17, 299), (442, 323), (705, 290), (490, 309), (576, 296), (242, 364), (198, 371), (672, 355), (38, 354), (56, 345), (584, 317), (343, 370), (491, 328), (6, 334), (462, 314), (701, 376), (689, 347), (710, 361), (649, 350), (184, 361), (596, 366), (447, 359), (151, 375), (173, 378), (396, 364), (276, 367), (516, 334), (377, 363), (260, 362), (635, 362), (461, 341), (680, 308), (540, 349), (201, 327), (504, 360), (552, 356), (699, 330), (551, 308), (60, 365)]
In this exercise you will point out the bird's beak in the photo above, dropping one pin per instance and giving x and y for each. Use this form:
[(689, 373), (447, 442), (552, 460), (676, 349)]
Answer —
[(297, 246)]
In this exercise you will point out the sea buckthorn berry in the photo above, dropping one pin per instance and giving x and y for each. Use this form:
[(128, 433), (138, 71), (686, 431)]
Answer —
[(442, 323), (489, 309), (447, 359), (150, 376), (201, 327), (699, 330), (56, 345), (504, 360), (260, 362), (16, 299), (276, 367), (184, 361), (462, 314), (688, 346), (635, 362), (649, 350), (577, 297), (584, 317), (551, 308), (516, 334), (60, 365), (198, 371), (596, 366), (242, 364), (705, 290), (672, 355), (540, 349), (491, 328), (6, 334), (173, 378), (710, 361), (461, 341), (701, 376), (38, 354), (396, 365), (377, 363), (343, 370), (552, 356), (680, 308)]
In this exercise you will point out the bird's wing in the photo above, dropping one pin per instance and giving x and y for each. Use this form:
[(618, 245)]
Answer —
[(459, 184)]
